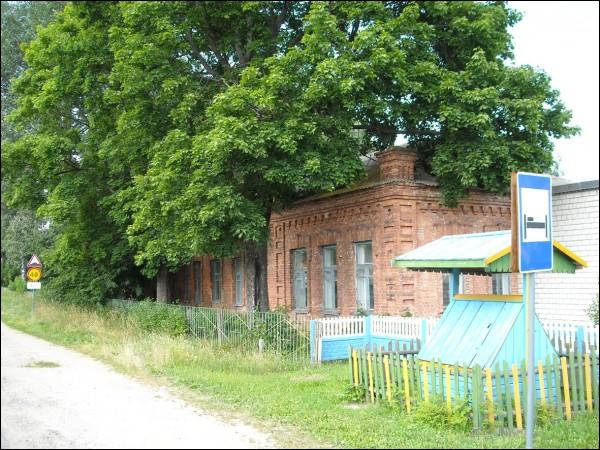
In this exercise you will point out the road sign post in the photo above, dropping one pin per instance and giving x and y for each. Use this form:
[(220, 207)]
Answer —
[(532, 251), (34, 275)]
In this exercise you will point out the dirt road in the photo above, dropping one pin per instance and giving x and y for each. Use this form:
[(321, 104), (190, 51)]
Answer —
[(56, 398)]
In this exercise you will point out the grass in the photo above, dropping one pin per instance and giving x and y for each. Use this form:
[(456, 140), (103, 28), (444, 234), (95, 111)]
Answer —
[(302, 405)]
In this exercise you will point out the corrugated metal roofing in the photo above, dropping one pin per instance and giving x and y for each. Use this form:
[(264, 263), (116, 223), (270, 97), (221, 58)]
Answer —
[(477, 332), (476, 246), (487, 252)]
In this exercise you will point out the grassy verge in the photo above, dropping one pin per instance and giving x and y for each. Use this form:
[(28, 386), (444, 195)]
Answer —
[(303, 406)]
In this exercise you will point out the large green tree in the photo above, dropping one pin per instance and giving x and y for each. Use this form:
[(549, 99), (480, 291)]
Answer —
[(184, 125), (22, 232)]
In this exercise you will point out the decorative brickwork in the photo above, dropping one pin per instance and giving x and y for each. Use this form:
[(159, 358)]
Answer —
[(396, 213)]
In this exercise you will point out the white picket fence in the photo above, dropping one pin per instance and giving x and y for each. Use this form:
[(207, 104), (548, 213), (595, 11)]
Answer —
[(393, 326), (561, 333), (341, 326), (409, 327), (564, 334)]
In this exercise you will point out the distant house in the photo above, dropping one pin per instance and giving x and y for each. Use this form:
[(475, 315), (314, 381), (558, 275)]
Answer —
[(575, 224), (331, 253)]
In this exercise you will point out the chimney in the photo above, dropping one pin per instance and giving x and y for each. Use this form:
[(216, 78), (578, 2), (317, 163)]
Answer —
[(397, 163)]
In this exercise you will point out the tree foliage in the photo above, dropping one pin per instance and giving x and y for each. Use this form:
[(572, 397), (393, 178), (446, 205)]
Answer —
[(22, 232), (161, 130)]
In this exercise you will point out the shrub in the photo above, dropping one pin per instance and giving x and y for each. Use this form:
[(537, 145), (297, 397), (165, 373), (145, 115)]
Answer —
[(8, 273), (355, 394), (544, 415), (361, 312), (592, 311), (435, 414), (18, 285), (159, 318)]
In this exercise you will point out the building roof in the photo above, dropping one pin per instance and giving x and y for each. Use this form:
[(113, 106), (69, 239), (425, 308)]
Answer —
[(478, 252), (372, 179), (573, 187)]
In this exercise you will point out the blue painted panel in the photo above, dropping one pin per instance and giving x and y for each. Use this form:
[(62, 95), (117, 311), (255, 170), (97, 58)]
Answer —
[(483, 332), (513, 349), (335, 348), (436, 344), (499, 329)]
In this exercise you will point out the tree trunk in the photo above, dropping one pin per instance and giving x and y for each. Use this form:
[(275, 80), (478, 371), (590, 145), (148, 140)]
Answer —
[(262, 278), (162, 285), (250, 270), (257, 288)]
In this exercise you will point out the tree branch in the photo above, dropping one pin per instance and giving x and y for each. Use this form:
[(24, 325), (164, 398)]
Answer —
[(196, 54), (387, 130), (354, 30)]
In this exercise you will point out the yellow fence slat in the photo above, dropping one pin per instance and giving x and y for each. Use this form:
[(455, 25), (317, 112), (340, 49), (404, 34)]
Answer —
[(388, 382), (542, 385), (565, 374), (406, 384), (517, 397), (588, 382), (490, 395)]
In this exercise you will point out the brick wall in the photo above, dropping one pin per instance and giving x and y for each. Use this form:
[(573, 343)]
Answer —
[(396, 214), (575, 224), (396, 217)]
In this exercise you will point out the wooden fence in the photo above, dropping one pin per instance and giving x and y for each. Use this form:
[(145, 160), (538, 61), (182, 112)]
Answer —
[(495, 396)]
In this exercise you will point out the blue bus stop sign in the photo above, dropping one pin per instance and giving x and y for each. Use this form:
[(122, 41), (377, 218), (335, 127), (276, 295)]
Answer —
[(535, 222)]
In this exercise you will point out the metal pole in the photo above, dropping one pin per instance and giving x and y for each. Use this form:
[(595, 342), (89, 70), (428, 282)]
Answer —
[(530, 422), (32, 301)]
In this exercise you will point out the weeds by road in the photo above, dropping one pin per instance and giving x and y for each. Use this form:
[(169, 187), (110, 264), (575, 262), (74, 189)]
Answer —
[(304, 403)]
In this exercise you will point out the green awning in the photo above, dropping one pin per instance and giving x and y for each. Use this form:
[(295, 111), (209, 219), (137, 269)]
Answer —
[(478, 252)]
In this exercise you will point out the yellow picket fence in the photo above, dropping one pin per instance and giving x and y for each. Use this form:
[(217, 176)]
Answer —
[(495, 395)]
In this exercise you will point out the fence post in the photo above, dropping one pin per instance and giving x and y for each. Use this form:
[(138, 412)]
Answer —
[(313, 343), (423, 331), (580, 338), (368, 328)]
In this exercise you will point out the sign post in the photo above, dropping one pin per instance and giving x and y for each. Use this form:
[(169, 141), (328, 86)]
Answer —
[(532, 250), (34, 275)]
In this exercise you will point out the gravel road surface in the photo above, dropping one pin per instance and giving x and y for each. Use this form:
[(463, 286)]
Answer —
[(53, 397)]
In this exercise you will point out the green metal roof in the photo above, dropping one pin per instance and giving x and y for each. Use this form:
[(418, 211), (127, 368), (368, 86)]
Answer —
[(479, 252)]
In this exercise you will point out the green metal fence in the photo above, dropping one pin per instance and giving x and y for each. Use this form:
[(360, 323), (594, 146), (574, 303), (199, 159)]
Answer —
[(276, 333)]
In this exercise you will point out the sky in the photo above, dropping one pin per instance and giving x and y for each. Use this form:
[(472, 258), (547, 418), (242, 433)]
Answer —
[(562, 39)]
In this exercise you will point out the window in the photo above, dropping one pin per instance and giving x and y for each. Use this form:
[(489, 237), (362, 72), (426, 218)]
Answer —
[(364, 275), (330, 278), (300, 276), (197, 283), (215, 268), (239, 284), (501, 283), (446, 287)]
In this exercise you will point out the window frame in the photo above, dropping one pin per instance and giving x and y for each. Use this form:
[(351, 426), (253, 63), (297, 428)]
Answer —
[(303, 274), (367, 268), (213, 278), (238, 282), (331, 273)]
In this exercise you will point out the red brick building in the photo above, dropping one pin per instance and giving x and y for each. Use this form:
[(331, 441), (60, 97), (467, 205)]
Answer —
[(331, 253)]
